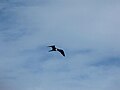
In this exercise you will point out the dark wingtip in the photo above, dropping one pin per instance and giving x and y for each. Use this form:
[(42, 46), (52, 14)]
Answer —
[(63, 55), (51, 45)]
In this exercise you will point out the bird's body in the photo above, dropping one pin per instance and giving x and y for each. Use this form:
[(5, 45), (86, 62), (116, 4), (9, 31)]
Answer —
[(56, 49)]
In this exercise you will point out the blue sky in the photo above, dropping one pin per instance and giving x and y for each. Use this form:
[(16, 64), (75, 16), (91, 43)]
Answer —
[(88, 31)]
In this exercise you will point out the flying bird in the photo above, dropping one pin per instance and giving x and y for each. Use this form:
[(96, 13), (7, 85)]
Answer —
[(56, 49)]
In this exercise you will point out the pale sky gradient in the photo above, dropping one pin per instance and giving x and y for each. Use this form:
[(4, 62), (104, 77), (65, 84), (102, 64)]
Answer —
[(87, 30)]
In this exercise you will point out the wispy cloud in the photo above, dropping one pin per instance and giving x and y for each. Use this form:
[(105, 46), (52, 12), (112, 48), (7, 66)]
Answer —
[(110, 61), (88, 32)]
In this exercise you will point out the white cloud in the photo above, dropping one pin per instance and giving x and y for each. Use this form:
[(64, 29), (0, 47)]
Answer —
[(27, 27)]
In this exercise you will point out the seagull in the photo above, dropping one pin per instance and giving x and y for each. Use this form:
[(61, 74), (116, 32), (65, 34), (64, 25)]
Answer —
[(56, 49)]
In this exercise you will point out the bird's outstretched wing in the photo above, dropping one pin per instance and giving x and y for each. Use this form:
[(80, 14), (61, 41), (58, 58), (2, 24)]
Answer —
[(61, 51), (53, 46)]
